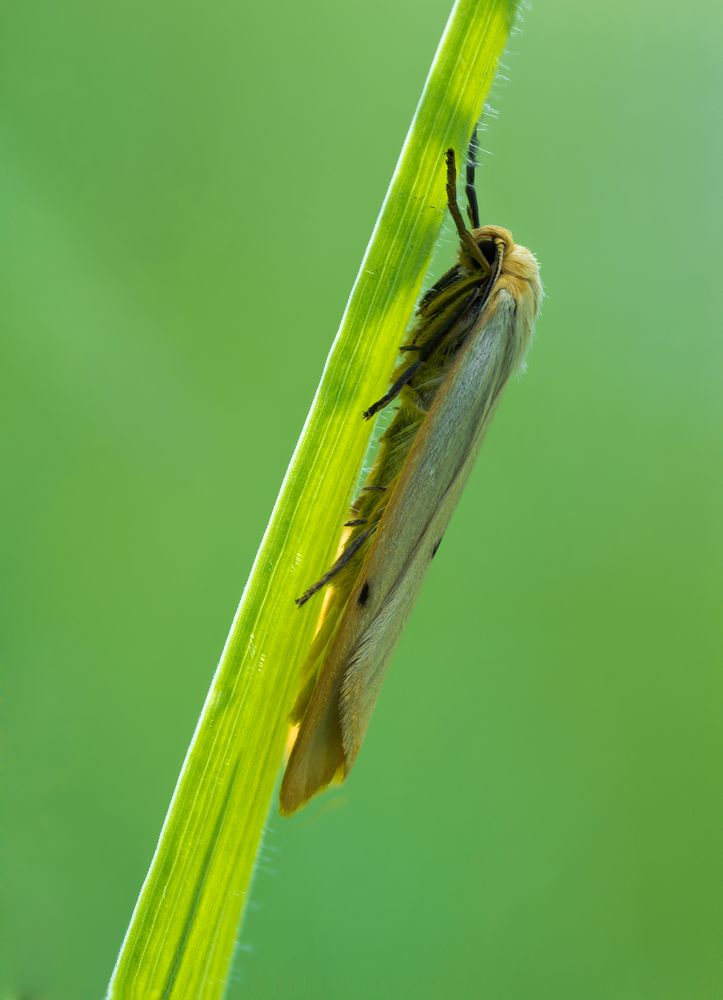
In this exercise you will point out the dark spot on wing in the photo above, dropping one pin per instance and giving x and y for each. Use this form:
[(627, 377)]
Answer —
[(436, 546), (363, 595)]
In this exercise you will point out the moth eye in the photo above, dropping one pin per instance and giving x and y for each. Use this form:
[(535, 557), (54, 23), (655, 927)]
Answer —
[(489, 251), (363, 595)]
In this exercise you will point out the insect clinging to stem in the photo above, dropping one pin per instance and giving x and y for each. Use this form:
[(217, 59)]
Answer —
[(471, 333)]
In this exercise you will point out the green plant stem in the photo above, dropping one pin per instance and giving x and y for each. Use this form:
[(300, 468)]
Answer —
[(181, 937)]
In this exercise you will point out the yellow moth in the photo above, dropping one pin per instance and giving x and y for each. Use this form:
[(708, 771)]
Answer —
[(471, 332)]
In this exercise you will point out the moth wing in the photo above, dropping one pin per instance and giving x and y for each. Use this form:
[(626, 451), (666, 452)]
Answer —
[(317, 756), (419, 511), (420, 505), (367, 665)]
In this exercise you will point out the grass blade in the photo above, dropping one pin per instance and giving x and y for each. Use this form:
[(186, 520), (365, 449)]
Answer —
[(183, 929)]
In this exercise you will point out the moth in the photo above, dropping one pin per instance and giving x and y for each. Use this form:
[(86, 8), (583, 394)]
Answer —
[(470, 334)]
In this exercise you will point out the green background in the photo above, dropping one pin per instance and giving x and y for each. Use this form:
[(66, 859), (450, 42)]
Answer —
[(186, 191)]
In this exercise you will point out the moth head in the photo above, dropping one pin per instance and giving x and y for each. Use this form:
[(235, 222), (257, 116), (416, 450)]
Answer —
[(494, 243)]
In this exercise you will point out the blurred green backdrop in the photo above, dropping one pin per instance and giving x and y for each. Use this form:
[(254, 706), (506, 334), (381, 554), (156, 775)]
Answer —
[(186, 190)]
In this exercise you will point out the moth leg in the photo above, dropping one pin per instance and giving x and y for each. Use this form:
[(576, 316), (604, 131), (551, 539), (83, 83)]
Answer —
[(464, 234), (445, 299), (450, 278), (395, 389), (340, 563), (472, 207), (426, 351)]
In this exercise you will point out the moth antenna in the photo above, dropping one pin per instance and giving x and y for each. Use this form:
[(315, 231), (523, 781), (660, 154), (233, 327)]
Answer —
[(464, 234), (472, 206)]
